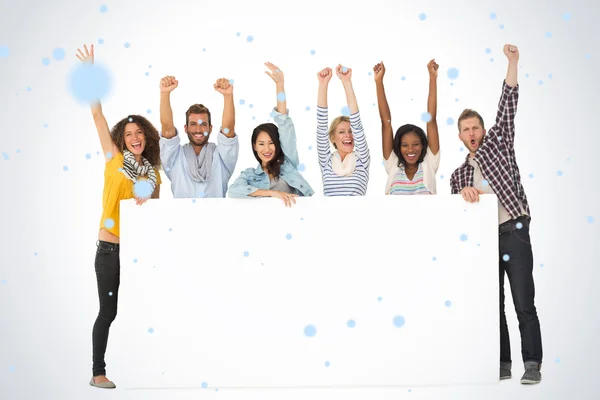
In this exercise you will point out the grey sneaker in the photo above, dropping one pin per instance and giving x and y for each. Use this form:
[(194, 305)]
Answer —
[(532, 374), (505, 370)]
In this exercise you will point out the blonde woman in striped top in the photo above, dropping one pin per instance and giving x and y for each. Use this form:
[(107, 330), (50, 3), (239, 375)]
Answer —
[(346, 171), (411, 157)]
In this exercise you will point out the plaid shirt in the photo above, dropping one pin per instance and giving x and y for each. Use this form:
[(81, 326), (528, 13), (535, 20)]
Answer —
[(496, 158)]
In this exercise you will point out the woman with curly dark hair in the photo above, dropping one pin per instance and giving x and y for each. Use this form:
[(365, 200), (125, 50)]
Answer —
[(132, 171)]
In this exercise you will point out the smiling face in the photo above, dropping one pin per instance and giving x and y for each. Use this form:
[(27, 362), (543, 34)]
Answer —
[(343, 138), (264, 147), (198, 129), (471, 133), (134, 138), (411, 148)]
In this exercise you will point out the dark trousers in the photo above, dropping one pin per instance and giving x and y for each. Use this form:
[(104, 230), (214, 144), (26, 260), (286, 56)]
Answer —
[(108, 269), (518, 266)]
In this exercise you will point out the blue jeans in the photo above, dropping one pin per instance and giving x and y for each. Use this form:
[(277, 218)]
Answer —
[(519, 268), (108, 270)]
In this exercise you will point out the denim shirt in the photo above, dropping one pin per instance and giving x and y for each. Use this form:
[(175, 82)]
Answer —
[(253, 179)]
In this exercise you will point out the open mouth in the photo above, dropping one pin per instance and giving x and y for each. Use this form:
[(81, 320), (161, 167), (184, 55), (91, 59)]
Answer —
[(473, 142), (267, 155), (136, 145), (411, 156), (347, 142)]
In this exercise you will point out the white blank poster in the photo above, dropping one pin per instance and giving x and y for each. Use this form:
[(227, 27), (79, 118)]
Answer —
[(377, 291)]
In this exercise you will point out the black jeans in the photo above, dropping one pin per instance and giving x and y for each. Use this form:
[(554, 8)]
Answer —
[(516, 259), (108, 269)]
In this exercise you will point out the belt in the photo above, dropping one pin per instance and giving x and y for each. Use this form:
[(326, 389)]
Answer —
[(514, 224)]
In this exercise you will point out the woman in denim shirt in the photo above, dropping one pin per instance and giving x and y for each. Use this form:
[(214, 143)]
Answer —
[(274, 147)]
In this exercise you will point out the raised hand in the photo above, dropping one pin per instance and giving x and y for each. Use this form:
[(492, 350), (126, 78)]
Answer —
[(432, 67), (511, 52), (379, 71), (88, 56), (344, 73), (275, 73), (168, 84), (325, 75), (223, 86)]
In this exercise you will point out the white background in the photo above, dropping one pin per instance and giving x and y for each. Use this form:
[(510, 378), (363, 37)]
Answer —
[(50, 217)]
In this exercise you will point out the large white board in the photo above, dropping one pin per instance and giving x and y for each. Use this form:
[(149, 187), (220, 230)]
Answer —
[(377, 291)]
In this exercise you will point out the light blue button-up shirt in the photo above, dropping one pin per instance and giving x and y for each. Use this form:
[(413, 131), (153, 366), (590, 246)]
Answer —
[(253, 179), (176, 167)]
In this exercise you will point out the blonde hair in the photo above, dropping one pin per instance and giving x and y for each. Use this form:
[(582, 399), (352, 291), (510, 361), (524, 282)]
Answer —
[(468, 113), (334, 125)]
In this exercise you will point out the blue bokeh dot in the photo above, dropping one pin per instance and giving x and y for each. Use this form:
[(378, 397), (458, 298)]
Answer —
[(493, 15), (463, 237), (46, 61), (549, 76), (246, 254), (307, 108), (100, 41), (45, 125), (4, 51), (548, 34), (559, 173), (301, 167), (35, 253), (590, 219), (484, 182), (281, 96), (422, 16), (103, 8), (379, 299), (312, 52), (238, 34), (149, 111), (531, 176), (204, 385), (434, 258), (344, 69), (150, 330), (541, 265), (11, 369), (249, 39), (453, 73), (127, 45), (441, 176), (231, 81), (398, 321), (109, 223), (501, 26), (110, 293), (491, 60), (147, 73), (88, 82), (327, 363), (540, 82), (310, 147), (450, 121), (519, 225), (488, 50), (170, 229), (346, 111), (567, 16), (425, 117), (58, 54), (242, 102), (506, 257), (250, 105), (310, 330), (135, 260), (88, 156), (448, 303), (288, 236), (65, 168), (226, 130), (142, 189), (461, 148), (5, 156), (351, 323), (402, 78)]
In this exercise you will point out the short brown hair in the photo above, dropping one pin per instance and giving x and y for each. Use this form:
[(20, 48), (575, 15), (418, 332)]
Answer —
[(334, 125), (197, 109), (468, 113)]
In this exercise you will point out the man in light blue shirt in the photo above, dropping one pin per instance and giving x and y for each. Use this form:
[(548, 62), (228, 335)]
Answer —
[(198, 168)]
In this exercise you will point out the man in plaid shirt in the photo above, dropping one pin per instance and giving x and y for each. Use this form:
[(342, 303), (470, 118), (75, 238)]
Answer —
[(491, 167)]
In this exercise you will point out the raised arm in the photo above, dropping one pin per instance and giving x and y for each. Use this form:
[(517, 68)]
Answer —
[(323, 148), (387, 134), (228, 121), (167, 85), (507, 106), (277, 77), (433, 136), (362, 150), (109, 148)]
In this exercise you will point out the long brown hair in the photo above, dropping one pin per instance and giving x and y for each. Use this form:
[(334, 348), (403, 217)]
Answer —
[(151, 150)]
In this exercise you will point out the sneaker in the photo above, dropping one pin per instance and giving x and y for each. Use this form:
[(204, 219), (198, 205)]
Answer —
[(505, 370), (532, 375)]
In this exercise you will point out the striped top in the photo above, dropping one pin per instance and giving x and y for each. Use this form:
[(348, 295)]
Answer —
[(333, 184), (402, 185)]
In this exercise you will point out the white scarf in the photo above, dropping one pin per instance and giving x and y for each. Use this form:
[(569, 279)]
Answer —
[(200, 166), (346, 167), (132, 170)]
